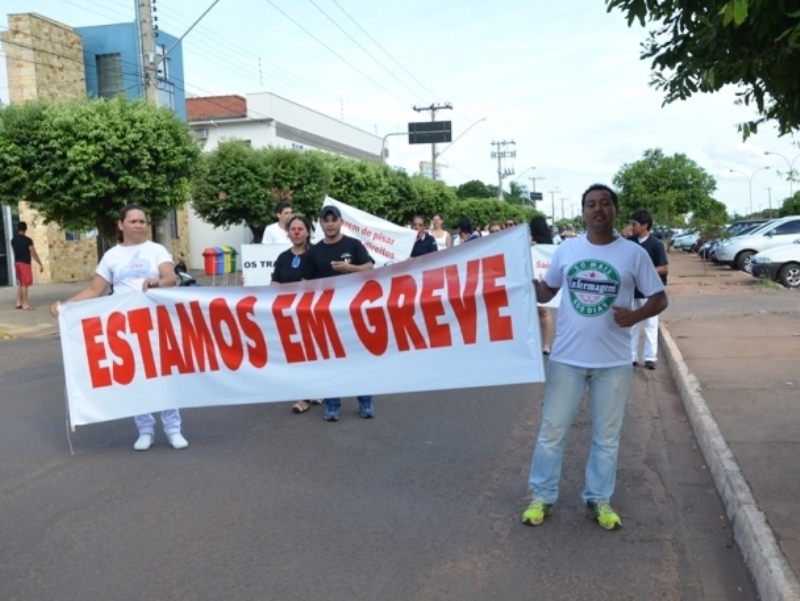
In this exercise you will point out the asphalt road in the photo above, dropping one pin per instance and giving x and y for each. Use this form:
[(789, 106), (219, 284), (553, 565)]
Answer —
[(422, 502)]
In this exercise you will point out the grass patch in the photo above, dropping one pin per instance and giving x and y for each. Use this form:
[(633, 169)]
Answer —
[(767, 284)]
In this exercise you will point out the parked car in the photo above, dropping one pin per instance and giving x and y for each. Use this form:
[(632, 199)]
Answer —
[(712, 250), (739, 250), (685, 241), (781, 264)]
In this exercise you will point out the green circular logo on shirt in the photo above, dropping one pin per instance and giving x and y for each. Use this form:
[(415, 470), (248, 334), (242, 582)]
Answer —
[(593, 287)]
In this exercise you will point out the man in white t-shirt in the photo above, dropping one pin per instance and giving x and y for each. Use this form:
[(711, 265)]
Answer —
[(599, 272), (277, 232)]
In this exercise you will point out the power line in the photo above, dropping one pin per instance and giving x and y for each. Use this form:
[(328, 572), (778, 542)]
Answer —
[(386, 52), (367, 52), (340, 57)]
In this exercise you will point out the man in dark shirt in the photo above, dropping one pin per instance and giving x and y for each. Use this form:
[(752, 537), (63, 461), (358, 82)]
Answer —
[(337, 254), (641, 223), (23, 253)]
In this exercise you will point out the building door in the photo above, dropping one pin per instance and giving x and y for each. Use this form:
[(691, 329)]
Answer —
[(8, 222)]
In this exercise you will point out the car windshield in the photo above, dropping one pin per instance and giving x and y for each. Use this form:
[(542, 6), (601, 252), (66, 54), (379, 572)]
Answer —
[(763, 228), (748, 230)]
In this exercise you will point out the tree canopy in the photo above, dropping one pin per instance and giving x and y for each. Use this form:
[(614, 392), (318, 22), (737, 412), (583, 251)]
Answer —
[(476, 189), (242, 184), (790, 206), (703, 46), (79, 162), (670, 187)]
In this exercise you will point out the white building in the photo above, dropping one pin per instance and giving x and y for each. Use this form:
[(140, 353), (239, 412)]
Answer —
[(265, 119)]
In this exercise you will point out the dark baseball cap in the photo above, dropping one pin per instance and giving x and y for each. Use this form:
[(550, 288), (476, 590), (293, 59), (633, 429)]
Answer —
[(330, 209)]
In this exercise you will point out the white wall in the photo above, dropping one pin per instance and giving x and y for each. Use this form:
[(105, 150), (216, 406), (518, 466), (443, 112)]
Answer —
[(260, 133), (264, 110), (203, 234)]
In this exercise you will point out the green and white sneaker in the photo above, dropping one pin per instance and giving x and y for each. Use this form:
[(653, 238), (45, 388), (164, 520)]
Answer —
[(601, 512), (535, 513)]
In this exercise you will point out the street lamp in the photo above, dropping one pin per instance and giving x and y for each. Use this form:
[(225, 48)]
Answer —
[(749, 182), (791, 169), (523, 173), (438, 154)]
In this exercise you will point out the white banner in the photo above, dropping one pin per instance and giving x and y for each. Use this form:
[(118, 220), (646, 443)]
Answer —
[(386, 242), (541, 255), (455, 319), (258, 262)]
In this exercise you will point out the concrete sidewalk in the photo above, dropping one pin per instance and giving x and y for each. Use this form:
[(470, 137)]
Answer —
[(733, 350)]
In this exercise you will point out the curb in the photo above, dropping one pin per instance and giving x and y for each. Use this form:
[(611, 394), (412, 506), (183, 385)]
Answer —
[(773, 577)]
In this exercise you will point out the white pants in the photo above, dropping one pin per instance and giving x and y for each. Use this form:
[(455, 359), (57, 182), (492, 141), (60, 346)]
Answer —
[(170, 418), (650, 327)]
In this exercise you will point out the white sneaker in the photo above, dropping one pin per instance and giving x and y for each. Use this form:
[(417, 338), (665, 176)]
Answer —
[(143, 443), (177, 441)]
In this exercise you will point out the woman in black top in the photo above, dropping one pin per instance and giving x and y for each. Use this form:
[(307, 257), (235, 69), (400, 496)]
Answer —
[(287, 270), (540, 234), (287, 265)]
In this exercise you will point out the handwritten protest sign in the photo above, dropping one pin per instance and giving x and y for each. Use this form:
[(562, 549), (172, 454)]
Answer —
[(455, 319), (258, 262), (385, 241), (541, 256)]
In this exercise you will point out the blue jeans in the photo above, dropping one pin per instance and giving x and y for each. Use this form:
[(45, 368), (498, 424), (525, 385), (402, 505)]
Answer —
[(608, 389), (338, 402)]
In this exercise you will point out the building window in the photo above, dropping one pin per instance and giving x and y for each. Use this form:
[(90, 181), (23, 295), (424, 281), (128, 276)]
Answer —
[(166, 95), (72, 235), (162, 66), (109, 75)]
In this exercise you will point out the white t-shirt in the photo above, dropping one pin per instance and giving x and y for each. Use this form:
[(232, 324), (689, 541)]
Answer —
[(127, 267), (594, 278), (275, 234), (441, 240)]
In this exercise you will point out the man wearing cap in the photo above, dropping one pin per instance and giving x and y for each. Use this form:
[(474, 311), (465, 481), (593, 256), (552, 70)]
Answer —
[(337, 254)]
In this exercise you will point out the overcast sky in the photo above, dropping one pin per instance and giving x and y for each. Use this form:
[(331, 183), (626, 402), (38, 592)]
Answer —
[(561, 79)]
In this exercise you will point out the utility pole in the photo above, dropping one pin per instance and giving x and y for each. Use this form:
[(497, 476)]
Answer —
[(533, 188), (433, 108), (553, 205), (500, 154), (147, 41), (769, 193)]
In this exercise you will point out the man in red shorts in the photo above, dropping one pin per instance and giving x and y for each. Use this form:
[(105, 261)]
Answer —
[(23, 253)]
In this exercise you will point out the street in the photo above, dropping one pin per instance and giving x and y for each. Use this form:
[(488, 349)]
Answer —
[(423, 502)]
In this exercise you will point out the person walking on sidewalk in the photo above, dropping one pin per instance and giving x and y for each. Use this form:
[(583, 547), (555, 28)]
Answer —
[(641, 224), (278, 232), (599, 272), (135, 265), (337, 254), (24, 251)]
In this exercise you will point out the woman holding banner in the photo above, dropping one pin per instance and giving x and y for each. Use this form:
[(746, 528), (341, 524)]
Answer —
[(135, 264), (287, 270), (540, 234)]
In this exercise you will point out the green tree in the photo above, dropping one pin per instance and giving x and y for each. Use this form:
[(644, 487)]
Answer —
[(476, 189), (790, 206), (703, 46), (240, 184), (670, 187), (79, 162), (482, 211), (516, 194), (433, 196), (231, 188)]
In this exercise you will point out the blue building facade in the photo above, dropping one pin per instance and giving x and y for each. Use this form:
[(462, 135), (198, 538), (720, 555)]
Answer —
[(113, 65)]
